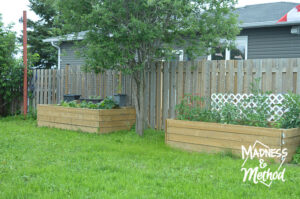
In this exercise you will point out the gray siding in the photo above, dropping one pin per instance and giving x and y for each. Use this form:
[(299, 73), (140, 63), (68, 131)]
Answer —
[(276, 42), (69, 55), (273, 42)]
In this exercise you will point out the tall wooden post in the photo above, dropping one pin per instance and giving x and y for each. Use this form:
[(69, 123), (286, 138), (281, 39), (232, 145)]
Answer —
[(25, 62)]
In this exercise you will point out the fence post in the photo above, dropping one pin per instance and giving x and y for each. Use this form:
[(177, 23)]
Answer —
[(152, 95), (187, 89), (173, 89), (180, 82), (214, 77), (165, 92), (222, 76), (240, 76), (279, 65), (66, 91), (158, 95), (146, 97)]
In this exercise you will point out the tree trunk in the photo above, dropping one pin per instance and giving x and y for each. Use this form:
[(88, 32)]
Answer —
[(138, 93)]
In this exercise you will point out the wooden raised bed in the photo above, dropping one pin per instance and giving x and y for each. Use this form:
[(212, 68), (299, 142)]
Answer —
[(86, 120), (214, 137)]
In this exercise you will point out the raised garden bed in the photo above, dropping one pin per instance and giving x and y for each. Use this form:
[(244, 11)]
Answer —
[(86, 120), (215, 137)]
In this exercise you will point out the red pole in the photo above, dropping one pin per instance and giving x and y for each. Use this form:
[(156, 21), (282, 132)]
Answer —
[(25, 62)]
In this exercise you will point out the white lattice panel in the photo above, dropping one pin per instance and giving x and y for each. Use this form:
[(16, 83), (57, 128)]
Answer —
[(219, 100)]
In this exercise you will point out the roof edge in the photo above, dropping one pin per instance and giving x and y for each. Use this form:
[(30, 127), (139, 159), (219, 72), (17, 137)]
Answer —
[(80, 36), (268, 24), (68, 37)]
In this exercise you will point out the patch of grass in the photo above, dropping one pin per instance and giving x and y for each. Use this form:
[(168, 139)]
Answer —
[(51, 163)]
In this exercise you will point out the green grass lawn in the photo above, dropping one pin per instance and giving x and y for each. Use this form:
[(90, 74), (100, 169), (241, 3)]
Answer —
[(51, 163)]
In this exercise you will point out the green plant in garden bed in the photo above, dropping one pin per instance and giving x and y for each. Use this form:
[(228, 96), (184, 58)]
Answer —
[(107, 103), (193, 108), (291, 117), (95, 97)]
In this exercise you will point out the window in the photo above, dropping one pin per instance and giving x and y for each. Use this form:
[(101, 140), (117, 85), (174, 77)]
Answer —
[(220, 54), (240, 51), (179, 54)]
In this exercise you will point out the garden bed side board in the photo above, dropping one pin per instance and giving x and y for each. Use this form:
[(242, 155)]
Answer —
[(85, 120), (215, 137)]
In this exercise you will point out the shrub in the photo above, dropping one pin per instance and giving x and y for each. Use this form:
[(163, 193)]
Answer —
[(296, 157), (11, 71), (32, 114)]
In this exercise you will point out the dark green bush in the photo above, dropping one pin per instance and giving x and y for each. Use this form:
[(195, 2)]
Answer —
[(32, 114), (296, 157), (11, 70)]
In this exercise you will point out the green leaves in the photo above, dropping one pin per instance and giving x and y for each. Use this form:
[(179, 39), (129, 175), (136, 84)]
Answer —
[(124, 35), (107, 103), (11, 70), (41, 54), (193, 108), (291, 115), (256, 113), (296, 157)]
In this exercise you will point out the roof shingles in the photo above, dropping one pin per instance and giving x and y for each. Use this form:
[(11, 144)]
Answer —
[(264, 12)]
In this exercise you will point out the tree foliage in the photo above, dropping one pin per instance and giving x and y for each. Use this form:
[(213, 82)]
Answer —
[(42, 29), (11, 73), (129, 35)]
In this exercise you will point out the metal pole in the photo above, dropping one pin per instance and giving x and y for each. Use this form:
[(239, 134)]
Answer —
[(25, 62)]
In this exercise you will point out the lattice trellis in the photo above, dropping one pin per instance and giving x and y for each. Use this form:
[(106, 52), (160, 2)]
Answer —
[(219, 100)]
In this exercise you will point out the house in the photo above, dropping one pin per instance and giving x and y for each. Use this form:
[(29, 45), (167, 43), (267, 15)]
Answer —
[(261, 36)]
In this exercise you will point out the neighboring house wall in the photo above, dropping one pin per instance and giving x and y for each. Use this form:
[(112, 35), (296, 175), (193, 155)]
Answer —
[(263, 43), (69, 55), (273, 42)]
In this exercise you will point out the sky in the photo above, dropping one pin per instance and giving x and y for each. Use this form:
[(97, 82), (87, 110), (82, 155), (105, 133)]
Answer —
[(12, 10)]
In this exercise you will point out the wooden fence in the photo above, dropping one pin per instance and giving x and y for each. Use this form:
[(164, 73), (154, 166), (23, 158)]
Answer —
[(167, 82), (50, 85)]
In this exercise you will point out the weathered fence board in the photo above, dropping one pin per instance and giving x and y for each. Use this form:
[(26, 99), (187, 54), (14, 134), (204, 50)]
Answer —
[(152, 96), (165, 99), (173, 89), (158, 95)]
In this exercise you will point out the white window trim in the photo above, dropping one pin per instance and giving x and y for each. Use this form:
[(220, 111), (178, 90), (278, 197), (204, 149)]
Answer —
[(241, 39), (180, 53)]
